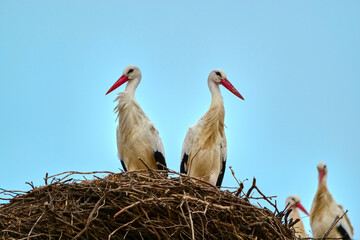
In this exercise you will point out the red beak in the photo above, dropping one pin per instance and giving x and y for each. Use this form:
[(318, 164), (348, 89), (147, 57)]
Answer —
[(230, 87), (321, 175), (123, 79), (301, 208)]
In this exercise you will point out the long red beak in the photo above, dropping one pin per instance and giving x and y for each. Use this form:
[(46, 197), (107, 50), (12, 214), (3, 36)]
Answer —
[(230, 87), (301, 208), (321, 175), (123, 79)]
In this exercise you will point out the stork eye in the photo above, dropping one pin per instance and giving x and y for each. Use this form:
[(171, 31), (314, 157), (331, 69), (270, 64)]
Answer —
[(293, 199), (218, 73), (130, 71)]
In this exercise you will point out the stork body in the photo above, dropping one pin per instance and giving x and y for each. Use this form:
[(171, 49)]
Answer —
[(293, 202), (204, 150), (136, 135), (324, 211)]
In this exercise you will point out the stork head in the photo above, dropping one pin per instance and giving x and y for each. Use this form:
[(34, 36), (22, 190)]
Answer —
[(322, 169), (294, 201), (130, 74), (218, 76)]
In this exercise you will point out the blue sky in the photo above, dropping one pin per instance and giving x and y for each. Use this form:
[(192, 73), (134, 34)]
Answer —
[(295, 62)]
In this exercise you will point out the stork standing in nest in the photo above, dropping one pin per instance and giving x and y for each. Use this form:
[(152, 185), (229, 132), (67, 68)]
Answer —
[(136, 135), (204, 148), (293, 202), (325, 210)]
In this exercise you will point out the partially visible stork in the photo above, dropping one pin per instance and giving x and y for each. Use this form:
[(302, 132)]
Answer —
[(204, 149), (293, 202), (325, 210), (136, 135)]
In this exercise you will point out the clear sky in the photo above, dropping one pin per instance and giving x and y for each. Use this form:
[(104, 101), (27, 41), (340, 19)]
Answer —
[(297, 64)]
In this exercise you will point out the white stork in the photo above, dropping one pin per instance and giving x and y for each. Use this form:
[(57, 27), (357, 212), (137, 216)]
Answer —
[(136, 135), (204, 149), (324, 210), (293, 202)]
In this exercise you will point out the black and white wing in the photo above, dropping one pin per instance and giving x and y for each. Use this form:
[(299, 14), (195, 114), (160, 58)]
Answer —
[(118, 139), (223, 153), (157, 147), (344, 226), (186, 149)]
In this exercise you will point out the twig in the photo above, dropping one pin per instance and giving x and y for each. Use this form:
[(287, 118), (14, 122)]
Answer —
[(251, 188), (336, 220), (203, 202), (190, 160), (138, 202), (294, 222), (31, 184), (147, 166), (288, 211), (124, 225), (264, 197), (151, 225), (46, 178), (69, 173), (28, 236), (191, 221), (90, 218), (241, 185)]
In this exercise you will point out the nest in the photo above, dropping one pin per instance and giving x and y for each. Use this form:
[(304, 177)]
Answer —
[(139, 205)]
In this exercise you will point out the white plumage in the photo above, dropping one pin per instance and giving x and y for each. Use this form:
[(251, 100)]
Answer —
[(136, 135), (204, 150), (324, 211), (293, 202)]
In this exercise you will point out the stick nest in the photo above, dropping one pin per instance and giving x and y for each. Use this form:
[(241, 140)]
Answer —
[(138, 205)]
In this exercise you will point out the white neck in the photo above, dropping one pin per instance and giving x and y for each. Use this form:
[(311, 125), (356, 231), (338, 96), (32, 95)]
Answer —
[(323, 181), (131, 86), (299, 226), (216, 97)]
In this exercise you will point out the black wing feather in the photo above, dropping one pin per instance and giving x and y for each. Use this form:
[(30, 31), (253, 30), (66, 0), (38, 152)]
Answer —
[(123, 165), (159, 158), (221, 174), (343, 232), (184, 163)]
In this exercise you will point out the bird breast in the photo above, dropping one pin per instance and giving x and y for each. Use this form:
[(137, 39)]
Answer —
[(323, 212), (212, 126), (299, 226), (130, 115)]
